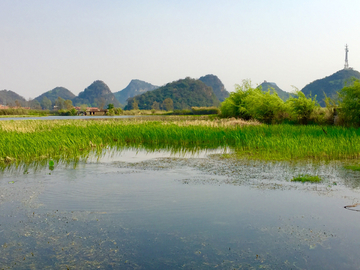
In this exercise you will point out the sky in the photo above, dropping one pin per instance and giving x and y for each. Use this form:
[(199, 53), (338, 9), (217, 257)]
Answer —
[(72, 43)]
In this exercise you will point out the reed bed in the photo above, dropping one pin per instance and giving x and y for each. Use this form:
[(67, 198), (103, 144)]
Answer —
[(29, 140)]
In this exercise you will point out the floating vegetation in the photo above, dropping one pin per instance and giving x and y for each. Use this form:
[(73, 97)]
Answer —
[(307, 178)]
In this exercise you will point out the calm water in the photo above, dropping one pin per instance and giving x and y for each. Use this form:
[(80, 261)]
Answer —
[(69, 117), (138, 210)]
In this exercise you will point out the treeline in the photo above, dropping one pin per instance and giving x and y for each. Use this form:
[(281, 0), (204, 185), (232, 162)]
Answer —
[(252, 103)]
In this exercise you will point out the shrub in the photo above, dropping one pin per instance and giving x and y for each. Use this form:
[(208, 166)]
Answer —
[(349, 101), (204, 110), (302, 107), (235, 104)]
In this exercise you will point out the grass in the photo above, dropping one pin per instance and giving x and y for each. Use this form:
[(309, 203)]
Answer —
[(30, 140), (307, 178), (353, 167)]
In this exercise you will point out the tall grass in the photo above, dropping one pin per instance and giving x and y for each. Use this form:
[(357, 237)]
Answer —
[(30, 140)]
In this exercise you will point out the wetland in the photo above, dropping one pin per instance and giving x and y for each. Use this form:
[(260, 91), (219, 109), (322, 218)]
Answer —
[(177, 195)]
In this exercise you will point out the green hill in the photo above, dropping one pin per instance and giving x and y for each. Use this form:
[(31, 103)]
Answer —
[(53, 94), (217, 86), (135, 87), (265, 86), (184, 94), (97, 94), (329, 85), (8, 97)]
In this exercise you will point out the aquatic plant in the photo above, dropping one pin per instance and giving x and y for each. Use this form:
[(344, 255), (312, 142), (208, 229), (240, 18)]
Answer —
[(307, 178), (30, 140), (353, 167)]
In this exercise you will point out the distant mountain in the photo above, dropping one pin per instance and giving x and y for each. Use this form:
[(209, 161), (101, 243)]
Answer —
[(217, 86), (265, 86), (329, 85), (184, 94), (97, 94), (135, 87), (53, 94), (8, 97)]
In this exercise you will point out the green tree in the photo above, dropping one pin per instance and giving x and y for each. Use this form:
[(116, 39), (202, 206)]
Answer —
[(235, 105), (301, 106), (168, 104), (110, 106), (60, 103), (349, 102), (264, 106), (68, 104), (155, 106), (46, 103), (135, 105)]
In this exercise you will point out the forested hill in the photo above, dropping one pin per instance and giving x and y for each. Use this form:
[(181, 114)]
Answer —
[(53, 94), (265, 86), (217, 86), (8, 97), (329, 85), (97, 94), (181, 94), (135, 87)]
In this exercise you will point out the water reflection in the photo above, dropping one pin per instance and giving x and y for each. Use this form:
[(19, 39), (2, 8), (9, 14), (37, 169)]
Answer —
[(164, 210)]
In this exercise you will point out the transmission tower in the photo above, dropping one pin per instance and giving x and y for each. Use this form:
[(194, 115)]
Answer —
[(346, 66)]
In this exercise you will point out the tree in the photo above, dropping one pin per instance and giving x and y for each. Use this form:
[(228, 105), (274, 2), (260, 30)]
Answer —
[(135, 105), (35, 105), (264, 106), (46, 103), (349, 101), (168, 104), (68, 104), (60, 103), (155, 106), (235, 105), (17, 103), (110, 106), (301, 106)]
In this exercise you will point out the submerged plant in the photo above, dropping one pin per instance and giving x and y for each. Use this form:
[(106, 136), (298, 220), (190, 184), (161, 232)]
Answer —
[(307, 178)]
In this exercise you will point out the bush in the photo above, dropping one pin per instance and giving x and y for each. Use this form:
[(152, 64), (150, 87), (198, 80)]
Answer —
[(302, 107), (264, 106), (182, 112), (235, 105), (205, 110), (349, 102)]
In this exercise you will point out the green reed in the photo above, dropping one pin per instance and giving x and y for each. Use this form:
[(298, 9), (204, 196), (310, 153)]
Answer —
[(30, 140)]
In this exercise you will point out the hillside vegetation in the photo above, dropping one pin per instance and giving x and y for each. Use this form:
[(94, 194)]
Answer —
[(135, 87), (97, 94), (8, 97), (265, 86), (217, 86), (178, 95), (329, 85), (53, 94)]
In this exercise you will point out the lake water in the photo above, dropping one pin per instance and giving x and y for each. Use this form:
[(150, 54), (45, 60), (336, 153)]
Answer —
[(139, 210), (70, 117)]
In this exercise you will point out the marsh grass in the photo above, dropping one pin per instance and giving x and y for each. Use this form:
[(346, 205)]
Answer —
[(353, 167), (307, 178), (31, 140)]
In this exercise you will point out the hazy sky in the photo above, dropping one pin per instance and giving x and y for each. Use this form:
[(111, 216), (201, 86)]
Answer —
[(71, 43)]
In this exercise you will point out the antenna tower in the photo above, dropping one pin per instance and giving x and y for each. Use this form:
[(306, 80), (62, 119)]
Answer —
[(346, 66)]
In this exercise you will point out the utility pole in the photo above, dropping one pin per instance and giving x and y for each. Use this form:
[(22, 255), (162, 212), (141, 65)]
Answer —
[(346, 66)]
